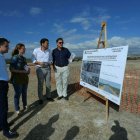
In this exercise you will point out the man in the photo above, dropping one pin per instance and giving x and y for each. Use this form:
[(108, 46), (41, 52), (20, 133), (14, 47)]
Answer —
[(42, 58), (4, 78), (61, 57)]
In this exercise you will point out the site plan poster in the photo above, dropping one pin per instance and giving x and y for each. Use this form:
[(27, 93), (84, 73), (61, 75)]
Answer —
[(103, 71)]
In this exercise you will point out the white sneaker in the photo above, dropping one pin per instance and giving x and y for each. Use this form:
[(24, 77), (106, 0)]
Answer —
[(18, 112)]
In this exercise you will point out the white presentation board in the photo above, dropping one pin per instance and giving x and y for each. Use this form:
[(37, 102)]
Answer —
[(103, 71)]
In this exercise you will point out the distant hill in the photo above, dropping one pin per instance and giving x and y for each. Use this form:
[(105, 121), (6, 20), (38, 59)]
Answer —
[(133, 57), (80, 59)]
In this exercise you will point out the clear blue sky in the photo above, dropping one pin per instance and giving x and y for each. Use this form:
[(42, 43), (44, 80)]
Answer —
[(77, 21)]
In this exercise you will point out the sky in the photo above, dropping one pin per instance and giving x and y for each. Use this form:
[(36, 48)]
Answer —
[(77, 21)]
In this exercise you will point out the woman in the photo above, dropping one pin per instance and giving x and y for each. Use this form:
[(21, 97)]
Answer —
[(19, 76)]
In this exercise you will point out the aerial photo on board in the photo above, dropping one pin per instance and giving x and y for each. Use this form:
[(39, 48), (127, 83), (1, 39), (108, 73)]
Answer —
[(110, 87)]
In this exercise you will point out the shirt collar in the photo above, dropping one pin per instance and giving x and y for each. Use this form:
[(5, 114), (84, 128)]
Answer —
[(61, 49), (45, 50)]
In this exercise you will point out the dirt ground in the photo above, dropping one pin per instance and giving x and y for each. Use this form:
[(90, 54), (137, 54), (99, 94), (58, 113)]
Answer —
[(79, 118)]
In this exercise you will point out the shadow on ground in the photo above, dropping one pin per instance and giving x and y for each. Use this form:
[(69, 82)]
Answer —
[(120, 133), (72, 133), (33, 109), (43, 132)]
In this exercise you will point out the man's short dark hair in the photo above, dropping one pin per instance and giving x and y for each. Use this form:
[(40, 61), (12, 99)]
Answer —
[(3, 40), (43, 40), (60, 38)]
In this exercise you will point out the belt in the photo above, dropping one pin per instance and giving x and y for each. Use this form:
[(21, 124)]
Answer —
[(44, 67), (62, 66)]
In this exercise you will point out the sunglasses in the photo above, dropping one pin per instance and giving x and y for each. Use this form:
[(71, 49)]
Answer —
[(60, 42)]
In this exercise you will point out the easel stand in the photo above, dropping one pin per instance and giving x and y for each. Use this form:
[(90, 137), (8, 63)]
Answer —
[(104, 45), (104, 99)]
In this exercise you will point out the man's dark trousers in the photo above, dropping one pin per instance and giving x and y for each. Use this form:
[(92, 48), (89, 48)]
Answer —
[(4, 105)]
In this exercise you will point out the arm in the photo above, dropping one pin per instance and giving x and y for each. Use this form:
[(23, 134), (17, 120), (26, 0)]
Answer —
[(50, 57), (38, 63), (26, 66), (18, 71), (53, 61), (68, 54), (34, 55), (13, 66), (53, 58), (34, 59)]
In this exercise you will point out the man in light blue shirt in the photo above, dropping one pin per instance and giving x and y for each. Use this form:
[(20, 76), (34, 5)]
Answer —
[(4, 78), (3, 69), (42, 58)]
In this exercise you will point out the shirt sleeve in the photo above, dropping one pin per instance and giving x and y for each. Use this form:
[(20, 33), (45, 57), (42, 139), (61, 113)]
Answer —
[(50, 57), (13, 63), (25, 61), (68, 54), (53, 57), (34, 55)]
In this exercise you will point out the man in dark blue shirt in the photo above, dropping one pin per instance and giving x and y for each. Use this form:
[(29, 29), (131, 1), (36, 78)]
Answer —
[(61, 57)]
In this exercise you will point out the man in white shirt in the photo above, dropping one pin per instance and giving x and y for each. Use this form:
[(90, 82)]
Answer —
[(42, 58), (4, 78)]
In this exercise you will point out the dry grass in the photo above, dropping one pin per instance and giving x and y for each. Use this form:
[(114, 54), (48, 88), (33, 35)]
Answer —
[(77, 119)]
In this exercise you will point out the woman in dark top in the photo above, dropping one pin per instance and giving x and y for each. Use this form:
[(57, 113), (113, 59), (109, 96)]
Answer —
[(19, 76)]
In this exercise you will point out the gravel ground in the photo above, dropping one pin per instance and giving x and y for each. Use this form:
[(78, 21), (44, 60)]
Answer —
[(77, 119)]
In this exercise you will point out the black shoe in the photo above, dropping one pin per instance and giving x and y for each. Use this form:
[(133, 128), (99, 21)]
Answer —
[(40, 102), (9, 124), (25, 108), (66, 98), (59, 98), (10, 134), (50, 99)]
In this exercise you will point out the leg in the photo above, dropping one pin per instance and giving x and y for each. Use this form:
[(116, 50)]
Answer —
[(24, 95), (65, 75), (40, 77), (58, 80), (48, 83), (3, 106), (18, 90)]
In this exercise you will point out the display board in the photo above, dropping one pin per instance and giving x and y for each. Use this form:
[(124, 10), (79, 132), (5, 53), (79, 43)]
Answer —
[(103, 71)]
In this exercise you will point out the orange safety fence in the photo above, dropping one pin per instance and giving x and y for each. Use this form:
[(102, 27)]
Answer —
[(130, 100)]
